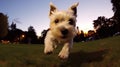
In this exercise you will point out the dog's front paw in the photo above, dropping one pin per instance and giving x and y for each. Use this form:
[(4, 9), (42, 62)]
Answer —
[(48, 50), (64, 54)]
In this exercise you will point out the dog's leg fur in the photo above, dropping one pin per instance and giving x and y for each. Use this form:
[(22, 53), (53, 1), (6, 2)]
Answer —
[(64, 53), (48, 43)]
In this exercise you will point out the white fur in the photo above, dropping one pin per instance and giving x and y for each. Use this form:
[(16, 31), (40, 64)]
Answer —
[(54, 36)]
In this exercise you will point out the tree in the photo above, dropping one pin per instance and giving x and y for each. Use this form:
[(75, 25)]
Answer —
[(116, 10), (43, 35), (79, 35), (101, 26), (32, 37), (3, 25), (31, 29), (105, 27), (13, 26), (14, 34)]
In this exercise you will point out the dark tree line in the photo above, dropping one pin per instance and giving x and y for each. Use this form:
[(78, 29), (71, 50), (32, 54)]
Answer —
[(106, 27), (16, 35), (80, 36)]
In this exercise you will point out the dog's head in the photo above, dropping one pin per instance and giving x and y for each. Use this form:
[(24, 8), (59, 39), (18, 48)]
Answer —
[(62, 23)]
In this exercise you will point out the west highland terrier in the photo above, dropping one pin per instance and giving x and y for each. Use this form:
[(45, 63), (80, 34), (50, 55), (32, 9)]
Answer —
[(62, 30)]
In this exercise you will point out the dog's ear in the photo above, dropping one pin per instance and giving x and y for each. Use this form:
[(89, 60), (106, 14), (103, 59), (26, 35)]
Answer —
[(74, 8), (52, 8)]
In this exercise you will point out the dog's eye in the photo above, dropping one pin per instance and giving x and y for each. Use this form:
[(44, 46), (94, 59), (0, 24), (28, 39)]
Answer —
[(56, 21), (71, 21)]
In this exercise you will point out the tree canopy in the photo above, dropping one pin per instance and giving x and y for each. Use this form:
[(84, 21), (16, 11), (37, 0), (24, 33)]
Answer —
[(3, 25)]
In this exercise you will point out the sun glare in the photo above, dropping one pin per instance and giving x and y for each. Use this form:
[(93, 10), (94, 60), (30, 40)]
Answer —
[(85, 27)]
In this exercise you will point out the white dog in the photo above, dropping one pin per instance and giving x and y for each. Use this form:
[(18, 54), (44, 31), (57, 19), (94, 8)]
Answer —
[(62, 30)]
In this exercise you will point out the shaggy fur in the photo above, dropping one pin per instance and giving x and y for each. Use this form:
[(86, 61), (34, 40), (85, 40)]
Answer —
[(62, 30)]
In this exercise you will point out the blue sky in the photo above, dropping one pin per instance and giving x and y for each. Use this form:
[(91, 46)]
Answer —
[(35, 12)]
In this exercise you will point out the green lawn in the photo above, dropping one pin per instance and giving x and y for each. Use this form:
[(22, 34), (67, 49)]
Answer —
[(99, 53)]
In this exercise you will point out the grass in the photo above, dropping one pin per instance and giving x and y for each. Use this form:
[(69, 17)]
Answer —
[(99, 53)]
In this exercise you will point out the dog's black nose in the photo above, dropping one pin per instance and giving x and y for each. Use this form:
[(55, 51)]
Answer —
[(64, 31)]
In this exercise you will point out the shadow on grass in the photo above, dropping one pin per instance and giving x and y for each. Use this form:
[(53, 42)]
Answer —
[(76, 59)]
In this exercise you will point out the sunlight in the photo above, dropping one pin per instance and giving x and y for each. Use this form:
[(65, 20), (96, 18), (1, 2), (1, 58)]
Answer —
[(39, 34), (85, 27), (85, 30)]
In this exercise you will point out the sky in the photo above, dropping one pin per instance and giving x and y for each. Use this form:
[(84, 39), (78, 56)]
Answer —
[(35, 12)]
